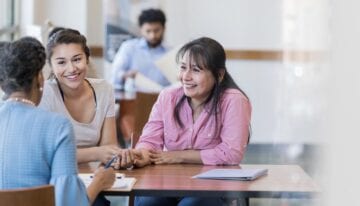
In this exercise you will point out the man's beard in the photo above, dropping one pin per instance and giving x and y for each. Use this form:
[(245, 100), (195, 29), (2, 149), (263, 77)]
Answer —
[(155, 44)]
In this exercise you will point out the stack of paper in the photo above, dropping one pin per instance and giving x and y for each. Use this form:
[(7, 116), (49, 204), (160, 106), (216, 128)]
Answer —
[(121, 183), (232, 174)]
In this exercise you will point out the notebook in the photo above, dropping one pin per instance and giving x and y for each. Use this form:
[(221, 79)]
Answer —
[(121, 183), (232, 174)]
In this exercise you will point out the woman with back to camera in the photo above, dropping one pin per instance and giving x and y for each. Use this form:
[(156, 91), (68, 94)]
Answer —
[(87, 102), (205, 121), (37, 147)]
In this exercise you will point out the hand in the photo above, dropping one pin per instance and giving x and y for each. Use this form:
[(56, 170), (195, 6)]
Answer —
[(141, 157), (106, 152), (104, 178), (130, 74), (125, 159), (165, 157)]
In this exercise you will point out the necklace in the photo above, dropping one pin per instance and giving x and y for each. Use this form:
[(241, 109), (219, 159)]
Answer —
[(23, 100)]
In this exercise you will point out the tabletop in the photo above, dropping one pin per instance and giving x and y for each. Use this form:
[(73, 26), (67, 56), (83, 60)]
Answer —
[(282, 181)]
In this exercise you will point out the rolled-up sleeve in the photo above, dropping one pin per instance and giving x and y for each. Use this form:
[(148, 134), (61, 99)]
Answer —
[(234, 133)]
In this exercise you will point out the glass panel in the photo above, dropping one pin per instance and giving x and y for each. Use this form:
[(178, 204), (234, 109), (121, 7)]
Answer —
[(8, 19)]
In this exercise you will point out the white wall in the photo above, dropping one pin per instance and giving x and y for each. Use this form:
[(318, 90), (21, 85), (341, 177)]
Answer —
[(287, 97), (83, 15), (288, 102), (344, 114), (236, 23)]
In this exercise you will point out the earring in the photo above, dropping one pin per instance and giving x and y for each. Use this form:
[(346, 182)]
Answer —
[(40, 89)]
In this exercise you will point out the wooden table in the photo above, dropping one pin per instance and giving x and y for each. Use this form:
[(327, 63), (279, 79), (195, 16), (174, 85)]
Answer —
[(282, 181)]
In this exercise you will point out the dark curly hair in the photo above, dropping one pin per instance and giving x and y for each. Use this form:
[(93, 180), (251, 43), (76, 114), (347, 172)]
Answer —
[(20, 62), (151, 16), (60, 35)]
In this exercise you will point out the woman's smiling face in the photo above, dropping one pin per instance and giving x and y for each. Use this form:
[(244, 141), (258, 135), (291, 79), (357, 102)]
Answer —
[(69, 64), (196, 80)]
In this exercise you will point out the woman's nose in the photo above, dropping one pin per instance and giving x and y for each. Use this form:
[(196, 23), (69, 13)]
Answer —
[(186, 74), (71, 67)]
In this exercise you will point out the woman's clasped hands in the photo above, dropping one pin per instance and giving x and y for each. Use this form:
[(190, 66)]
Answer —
[(124, 157), (143, 157), (128, 158)]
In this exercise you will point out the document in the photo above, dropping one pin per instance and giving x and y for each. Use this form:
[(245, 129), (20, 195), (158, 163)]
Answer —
[(232, 174), (168, 66), (121, 183), (145, 84)]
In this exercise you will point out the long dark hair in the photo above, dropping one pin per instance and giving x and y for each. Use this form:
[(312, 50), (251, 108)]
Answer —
[(210, 55)]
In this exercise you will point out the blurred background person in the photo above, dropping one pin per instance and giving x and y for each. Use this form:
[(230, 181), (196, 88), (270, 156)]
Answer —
[(139, 55)]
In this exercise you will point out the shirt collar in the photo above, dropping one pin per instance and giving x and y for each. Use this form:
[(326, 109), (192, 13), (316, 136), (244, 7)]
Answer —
[(143, 44)]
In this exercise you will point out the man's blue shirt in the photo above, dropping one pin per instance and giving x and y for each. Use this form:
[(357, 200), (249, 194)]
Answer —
[(135, 54)]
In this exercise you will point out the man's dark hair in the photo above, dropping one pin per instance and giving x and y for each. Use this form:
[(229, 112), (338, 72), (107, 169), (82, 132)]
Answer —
[(152, 16)]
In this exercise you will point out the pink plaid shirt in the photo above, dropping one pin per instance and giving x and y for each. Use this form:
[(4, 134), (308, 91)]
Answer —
[(219, 144)]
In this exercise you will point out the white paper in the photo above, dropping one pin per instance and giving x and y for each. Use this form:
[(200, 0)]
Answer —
[(232, 174), (120, 182), (145, 84), (167, 65)]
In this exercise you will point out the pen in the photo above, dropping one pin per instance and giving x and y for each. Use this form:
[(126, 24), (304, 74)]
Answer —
[(132, 140), (117, 176), (108, 164)]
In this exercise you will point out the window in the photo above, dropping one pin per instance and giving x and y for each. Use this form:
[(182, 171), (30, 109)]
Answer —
[(8, 19)]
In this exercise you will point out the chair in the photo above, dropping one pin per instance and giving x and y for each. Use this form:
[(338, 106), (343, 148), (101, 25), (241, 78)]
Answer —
[(125, 121), (34, 196), (134, 114), (143, 106)]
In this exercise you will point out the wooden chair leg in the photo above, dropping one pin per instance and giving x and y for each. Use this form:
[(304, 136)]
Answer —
[(131, 200)]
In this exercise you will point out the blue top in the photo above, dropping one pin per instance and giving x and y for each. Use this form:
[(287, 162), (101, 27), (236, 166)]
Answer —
[(135, 54), (36, 148)]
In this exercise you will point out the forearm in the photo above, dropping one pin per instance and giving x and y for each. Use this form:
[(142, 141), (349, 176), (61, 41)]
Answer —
[(175, 157), (86, 154), (103, 179), (92, 192), (189, 156), (223, 155)]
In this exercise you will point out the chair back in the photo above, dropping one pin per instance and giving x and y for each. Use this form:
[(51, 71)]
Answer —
[(143, 105), (34, 196)]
